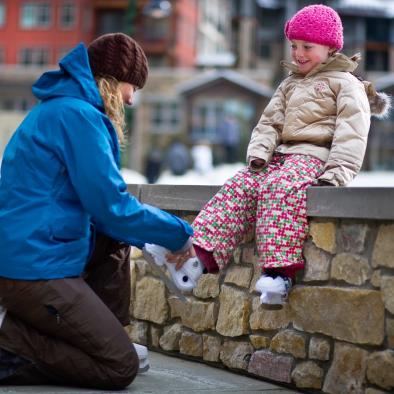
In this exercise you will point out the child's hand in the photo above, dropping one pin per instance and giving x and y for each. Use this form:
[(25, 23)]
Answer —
[(180, 258), (323, 183), (257, 164)]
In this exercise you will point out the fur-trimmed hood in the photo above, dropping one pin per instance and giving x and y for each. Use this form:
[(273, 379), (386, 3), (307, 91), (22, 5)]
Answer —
[(379, 102)]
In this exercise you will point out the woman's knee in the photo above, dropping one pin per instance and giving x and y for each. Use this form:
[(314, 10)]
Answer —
[(124, 372)]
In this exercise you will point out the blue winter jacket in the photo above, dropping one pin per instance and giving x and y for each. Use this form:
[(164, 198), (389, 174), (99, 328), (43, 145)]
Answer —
[(60, 173)]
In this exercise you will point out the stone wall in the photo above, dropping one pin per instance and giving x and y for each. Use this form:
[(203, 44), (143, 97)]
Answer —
[(336, 334)]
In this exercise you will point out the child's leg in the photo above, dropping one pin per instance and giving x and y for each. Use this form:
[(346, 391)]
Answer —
[(282, 224), (228, 216)]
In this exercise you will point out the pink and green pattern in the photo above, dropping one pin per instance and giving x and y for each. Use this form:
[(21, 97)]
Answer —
[(273, 200)]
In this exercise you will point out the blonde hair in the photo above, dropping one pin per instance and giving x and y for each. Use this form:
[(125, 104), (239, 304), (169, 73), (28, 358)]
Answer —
[(113, 104)]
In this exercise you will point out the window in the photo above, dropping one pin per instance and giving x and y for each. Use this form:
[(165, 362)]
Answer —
[(34, 57), (108, 21), (2, 13), (35, 15), (165, 117), (206, 118), (155, 29), (17, 104), (377, 58), (68, 15), (265, 51), (377, 45)]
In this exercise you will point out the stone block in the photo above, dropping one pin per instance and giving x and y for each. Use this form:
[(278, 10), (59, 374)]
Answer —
[(376, 278), (380, 367), (317, 263), (138, 332), (191, 344), (154, 335), (142, 267), (347, 371), (189, 218), (234, 310), (259, 341), (374, 391), (383, 251), (256, 276), (133, 281), (150, 300), (308, 375), (289, 341), (319, 349), (239, 275), (249, 254), (351, 268), (135, 253), (176, 306), (236, 354), (237, 255), (207, 286), (266, 319), (387, 287), (352, 237), (271, 366), (211, 346), (353, 315), (323, 235), (390, 332), (199, 315), (171, 337)]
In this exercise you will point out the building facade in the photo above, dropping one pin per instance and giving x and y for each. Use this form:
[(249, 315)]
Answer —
[(184, 40)]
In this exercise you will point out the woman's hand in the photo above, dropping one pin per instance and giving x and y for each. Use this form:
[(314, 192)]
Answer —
[(180, 258)]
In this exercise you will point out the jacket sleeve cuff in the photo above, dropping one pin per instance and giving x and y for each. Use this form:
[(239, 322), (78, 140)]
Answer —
[(186, 246)]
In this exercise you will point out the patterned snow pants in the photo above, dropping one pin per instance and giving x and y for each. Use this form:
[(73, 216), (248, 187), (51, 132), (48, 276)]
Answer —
[(273, 200)]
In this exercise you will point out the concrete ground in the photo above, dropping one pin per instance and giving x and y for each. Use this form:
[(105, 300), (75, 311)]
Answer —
[(173, 375)]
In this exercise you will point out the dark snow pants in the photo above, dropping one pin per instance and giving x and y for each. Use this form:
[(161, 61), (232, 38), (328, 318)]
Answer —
[(72, 329)]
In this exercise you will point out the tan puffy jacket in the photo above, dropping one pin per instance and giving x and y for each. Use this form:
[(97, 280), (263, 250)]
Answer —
[(325, 114)]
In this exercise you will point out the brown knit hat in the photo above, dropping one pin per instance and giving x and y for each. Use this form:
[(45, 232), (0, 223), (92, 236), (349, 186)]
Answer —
[(119, 56)]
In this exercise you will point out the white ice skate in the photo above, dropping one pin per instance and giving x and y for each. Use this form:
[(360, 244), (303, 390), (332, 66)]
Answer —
[(185, 279), (142, 353), (274, 291)]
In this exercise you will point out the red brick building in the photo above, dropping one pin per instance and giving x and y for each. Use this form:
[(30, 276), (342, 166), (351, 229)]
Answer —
[(40, 32)]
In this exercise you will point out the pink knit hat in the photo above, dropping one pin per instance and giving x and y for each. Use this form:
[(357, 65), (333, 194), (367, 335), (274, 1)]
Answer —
[(316, 23)]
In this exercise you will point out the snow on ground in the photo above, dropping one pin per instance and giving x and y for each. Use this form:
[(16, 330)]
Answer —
[(373, 179), (221, 173)]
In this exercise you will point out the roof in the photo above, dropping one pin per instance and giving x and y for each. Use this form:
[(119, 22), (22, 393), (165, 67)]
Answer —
[(212, 77), (372, 8)]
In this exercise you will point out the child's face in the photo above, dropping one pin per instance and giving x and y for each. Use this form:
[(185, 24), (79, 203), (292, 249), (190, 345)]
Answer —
[(307, 55), (127, 90)]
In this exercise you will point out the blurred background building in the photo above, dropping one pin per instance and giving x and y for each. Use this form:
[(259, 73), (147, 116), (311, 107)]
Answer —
[(210, 60)]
